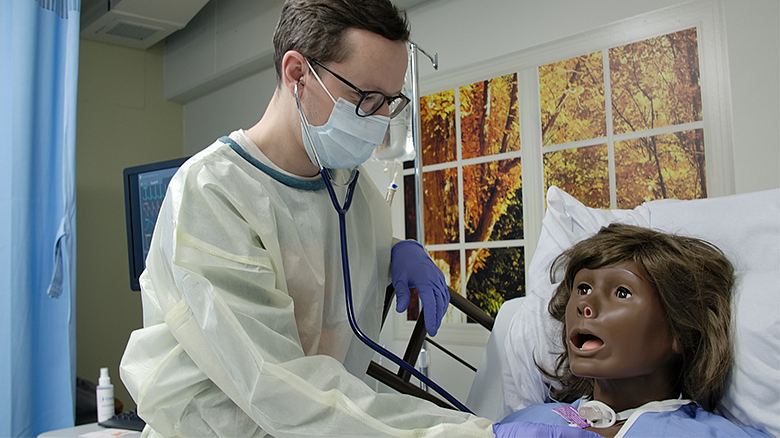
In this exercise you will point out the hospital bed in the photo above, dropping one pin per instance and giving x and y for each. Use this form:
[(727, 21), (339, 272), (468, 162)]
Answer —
[(745, 226)]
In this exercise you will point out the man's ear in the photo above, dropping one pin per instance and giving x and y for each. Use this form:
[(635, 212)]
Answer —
[(294, 68)]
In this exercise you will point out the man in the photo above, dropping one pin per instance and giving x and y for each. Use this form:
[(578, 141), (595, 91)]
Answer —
[(245, 329)]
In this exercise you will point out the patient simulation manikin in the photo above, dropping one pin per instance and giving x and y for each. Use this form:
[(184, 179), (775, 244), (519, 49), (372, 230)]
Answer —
[(628, 363)]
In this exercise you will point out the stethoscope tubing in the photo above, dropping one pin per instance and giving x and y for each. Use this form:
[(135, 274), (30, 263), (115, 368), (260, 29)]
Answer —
[(348, 292)]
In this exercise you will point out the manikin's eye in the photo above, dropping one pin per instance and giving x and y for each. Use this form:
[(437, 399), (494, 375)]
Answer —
[(584, 289), (623, 293)]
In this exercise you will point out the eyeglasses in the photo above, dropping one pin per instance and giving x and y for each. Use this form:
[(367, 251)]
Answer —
[(371, 101)]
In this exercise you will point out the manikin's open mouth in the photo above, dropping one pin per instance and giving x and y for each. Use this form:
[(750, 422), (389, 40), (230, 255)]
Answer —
[(585, 341)]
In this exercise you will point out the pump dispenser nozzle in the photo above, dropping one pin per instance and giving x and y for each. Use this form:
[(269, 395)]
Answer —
[(104, 379)]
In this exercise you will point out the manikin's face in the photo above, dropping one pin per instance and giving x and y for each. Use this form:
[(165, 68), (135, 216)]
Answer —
[(373, 63), (616, 326)]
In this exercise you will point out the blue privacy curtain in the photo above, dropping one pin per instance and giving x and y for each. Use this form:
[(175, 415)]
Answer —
[(38, 77)]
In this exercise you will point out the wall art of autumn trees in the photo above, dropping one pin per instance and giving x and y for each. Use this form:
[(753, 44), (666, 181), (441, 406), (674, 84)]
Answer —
[(471, 153), (491, 187), (653, 84)]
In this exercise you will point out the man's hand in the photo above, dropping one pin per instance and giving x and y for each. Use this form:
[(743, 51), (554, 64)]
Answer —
[(412, 267)]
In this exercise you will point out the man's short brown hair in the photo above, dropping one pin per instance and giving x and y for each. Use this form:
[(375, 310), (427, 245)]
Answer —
[(315, 28)]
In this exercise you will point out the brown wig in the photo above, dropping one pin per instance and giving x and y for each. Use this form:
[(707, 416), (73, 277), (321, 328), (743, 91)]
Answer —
[(315, 28), (693, 279)]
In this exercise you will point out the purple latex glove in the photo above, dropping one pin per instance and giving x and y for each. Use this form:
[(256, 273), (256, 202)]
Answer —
[(526, 429), (412, 267)]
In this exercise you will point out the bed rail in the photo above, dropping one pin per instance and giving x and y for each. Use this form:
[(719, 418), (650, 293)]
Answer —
[(399, 380)]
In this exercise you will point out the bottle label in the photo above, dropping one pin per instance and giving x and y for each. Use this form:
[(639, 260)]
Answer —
[(105, 403)]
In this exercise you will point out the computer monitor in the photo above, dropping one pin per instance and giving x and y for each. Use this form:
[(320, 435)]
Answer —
[(145, 188)]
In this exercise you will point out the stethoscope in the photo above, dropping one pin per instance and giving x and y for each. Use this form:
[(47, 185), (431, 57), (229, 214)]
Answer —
[(342, 211)]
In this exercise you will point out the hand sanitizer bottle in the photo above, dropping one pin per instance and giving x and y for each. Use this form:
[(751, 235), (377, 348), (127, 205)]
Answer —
[(105, 397)]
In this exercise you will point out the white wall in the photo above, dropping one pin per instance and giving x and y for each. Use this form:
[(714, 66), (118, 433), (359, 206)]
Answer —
[(754, 63), (464, 33)]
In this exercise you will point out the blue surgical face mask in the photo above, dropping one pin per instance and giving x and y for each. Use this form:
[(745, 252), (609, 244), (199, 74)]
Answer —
[(346, 140)]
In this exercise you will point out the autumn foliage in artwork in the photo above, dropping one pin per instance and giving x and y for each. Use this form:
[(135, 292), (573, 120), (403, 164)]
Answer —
[(619, 127), (491, 185), (654, 84)]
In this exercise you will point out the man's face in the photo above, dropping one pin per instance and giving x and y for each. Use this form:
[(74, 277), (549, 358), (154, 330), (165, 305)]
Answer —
[(374, 63), (616, 326)]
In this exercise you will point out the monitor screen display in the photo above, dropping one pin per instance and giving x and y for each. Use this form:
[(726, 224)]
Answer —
[(145, 188)]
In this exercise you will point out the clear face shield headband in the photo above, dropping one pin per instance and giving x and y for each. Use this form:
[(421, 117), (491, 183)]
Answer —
[(342, 211)]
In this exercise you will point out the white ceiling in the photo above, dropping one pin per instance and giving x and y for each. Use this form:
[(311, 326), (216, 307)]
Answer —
[(142, 23), (403, 4)]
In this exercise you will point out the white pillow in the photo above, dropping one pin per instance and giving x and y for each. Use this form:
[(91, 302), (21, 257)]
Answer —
[(746, 227), (753, 389)]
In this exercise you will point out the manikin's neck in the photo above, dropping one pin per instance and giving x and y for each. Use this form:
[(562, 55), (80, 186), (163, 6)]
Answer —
[(623, 394)]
